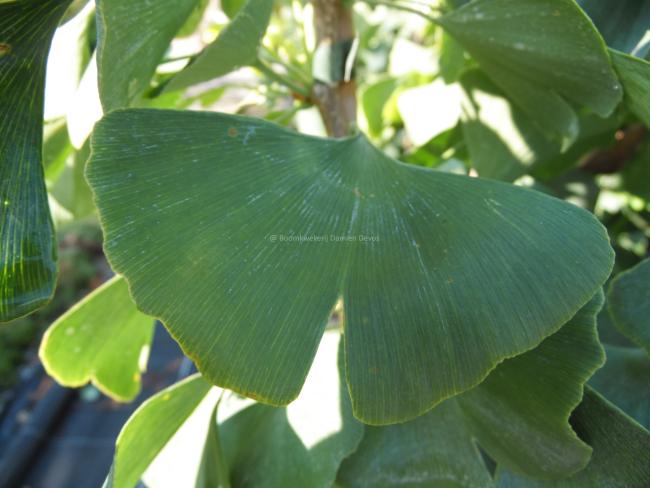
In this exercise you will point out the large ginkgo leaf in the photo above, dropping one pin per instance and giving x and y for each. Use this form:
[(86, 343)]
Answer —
[(544, 54), (103, 339), (133, 37), (620, 458), (27, 243), (241, 236), (628, 301)]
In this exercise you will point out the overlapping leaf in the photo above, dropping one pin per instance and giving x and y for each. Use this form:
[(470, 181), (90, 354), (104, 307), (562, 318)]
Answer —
[(133, 37), (503, 142), (545, 54), (27, 243), (620, 450), (102, 339), (150, 428), (235, 47), (635, 76), (629, 303), (241, 236), (519, 415), (435, 449), (623, 23), (303, 444), (624, 381)]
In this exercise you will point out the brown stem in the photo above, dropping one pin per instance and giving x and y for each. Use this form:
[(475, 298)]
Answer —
[(336, 100)]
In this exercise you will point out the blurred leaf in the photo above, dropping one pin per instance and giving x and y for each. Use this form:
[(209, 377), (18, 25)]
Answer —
[(636, 173), (429, 110), (373, 99), (235, 47), (233, 198), (544, 54), (231, 7), (134, 36), (620, 449), (520, 413), (629, 303), (213, 470), (70, 189), (56, 148), (151, 426), (303, 444), (28, 257), (503, 141), (623, 23), (193, 21), (624, 381), (635, 77), (434, 450), (452, 59), (101, 339)]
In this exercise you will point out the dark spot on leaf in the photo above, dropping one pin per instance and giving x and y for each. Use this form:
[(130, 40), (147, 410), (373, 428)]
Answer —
[(232, 132), (4, 49)]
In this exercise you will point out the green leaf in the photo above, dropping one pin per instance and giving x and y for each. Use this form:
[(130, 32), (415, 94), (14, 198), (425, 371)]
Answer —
[(529, 432), (241, 236), (434, 450), (231, 7), (27, 243), (101, 339), (303, 444), (213, 470), (503, 142), (620, 450), (623, 23), (520, 413), (635, 77), (624, 381), (544, 54), (628, 300), (133, 37), (373, 99), (235, 47), (70, 189), (151, 426)]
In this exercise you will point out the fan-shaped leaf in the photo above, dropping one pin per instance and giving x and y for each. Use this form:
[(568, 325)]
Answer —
[(27, 243), (241, 235), (101, 339), (543, 53)]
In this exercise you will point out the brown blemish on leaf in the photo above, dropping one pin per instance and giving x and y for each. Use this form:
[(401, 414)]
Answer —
[(4, 49), (232, 132)]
